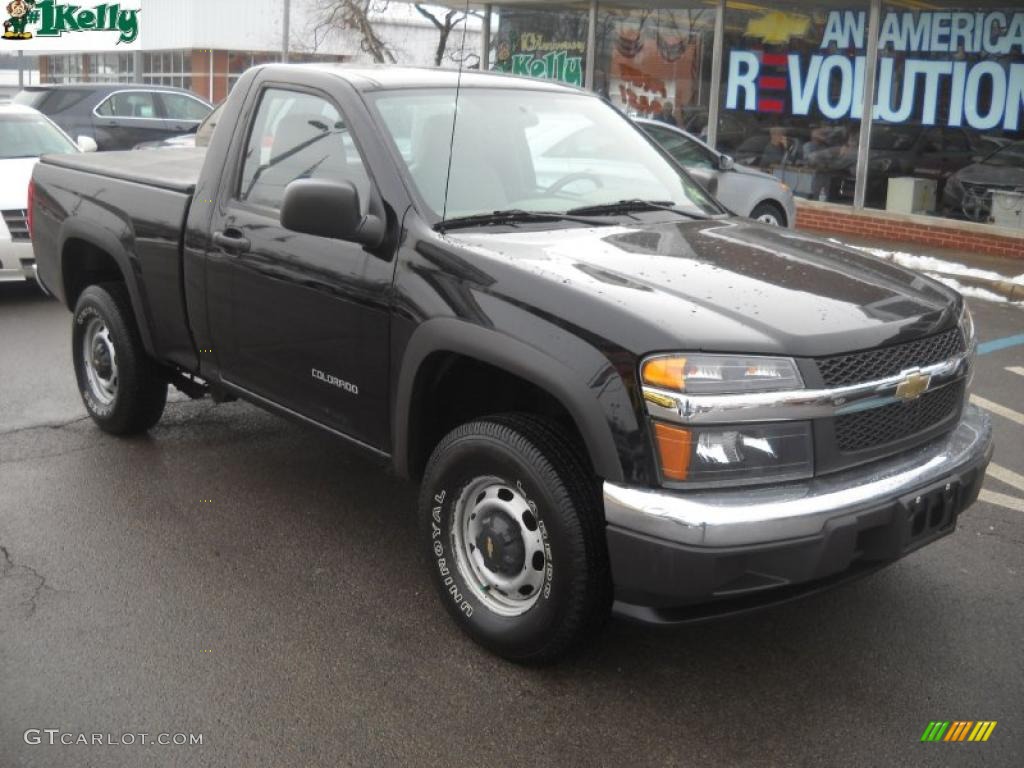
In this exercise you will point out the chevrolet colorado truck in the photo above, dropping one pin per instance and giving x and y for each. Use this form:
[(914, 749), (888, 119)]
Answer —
[(616, 396)]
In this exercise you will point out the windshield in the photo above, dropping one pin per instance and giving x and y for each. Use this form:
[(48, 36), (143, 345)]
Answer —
[(528, 150), (1011, 155), (31, 136)]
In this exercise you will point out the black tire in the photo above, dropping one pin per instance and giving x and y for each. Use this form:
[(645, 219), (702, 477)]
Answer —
[(140, 390), (768, 209), (532, 457)]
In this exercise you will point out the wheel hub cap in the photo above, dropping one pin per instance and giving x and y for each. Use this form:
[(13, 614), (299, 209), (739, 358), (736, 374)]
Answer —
[(499, 546), (501, 543), (100, 361)]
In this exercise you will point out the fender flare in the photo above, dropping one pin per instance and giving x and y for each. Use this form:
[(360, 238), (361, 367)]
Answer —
[(78, 228), (487, 346)]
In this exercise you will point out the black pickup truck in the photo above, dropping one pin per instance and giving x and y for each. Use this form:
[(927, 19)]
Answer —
[(616, 395)]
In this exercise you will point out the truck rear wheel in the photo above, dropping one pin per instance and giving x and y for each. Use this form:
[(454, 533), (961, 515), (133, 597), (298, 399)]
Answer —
[(121, 387), (512, 524)]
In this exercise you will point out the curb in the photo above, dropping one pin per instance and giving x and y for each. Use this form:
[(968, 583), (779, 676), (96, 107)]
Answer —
[(1006, 288)]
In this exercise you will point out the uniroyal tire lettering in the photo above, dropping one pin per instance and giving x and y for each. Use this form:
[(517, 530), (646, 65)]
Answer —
[(549, 570), (442, 564)]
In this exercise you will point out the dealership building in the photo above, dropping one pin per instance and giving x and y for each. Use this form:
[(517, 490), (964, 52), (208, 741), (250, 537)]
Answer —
[(206, 46), (901, 119)]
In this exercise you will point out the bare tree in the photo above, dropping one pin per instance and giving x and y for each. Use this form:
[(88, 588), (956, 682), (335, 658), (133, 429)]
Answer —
[(354, 15), (445, 25)]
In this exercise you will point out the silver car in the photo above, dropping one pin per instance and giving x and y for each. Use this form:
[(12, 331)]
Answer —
[(742, 190)]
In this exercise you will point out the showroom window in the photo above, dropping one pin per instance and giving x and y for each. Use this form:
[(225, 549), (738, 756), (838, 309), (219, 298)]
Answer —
[(656, 62), (542, 43), (791, 95), (947, 135), (173, 68)]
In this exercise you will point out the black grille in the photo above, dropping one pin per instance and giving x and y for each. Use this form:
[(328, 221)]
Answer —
[(879, 426), (859, 367), (16, 224)]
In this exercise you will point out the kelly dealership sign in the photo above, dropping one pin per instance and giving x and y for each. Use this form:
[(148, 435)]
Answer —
[(45, 25), (973, 59)]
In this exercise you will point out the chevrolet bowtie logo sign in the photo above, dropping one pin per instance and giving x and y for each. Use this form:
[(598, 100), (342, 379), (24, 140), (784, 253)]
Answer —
[(913, 384)]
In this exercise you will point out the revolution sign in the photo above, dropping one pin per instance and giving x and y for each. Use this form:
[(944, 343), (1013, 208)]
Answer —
[(975, 60)]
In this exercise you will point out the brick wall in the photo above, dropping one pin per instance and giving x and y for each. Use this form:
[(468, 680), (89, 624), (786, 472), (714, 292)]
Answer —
[(923, 230)]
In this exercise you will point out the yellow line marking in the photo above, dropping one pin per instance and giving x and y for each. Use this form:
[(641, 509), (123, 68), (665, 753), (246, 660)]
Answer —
[(999, 410), (1008, 476), (1002, 500), (988, 731), (977, 729)]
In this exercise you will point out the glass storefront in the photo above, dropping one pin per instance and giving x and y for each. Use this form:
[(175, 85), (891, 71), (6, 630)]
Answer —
[(790, 103), (946, 139), (542, 43), (656, 62), (947, 135)]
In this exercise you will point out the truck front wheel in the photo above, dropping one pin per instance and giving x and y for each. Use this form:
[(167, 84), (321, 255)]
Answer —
[(512, 524), (121, 387)]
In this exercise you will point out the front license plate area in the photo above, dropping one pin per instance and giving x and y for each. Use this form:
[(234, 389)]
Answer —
[(930, 513)]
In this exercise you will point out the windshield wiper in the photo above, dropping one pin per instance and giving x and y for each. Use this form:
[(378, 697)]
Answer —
[(631, 206), (515, 216)]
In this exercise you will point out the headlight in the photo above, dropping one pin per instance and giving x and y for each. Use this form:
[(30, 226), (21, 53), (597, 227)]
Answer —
[(728, 454), (720, 374), (735, 455)]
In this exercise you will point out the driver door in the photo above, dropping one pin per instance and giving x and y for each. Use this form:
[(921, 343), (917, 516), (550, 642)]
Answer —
[(299, 320)]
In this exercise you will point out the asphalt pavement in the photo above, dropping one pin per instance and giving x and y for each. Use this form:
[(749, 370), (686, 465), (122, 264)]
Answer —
[(250, 581)]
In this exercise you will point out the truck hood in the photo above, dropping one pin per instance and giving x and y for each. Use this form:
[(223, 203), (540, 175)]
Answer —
[(727, 285), (14, 176)]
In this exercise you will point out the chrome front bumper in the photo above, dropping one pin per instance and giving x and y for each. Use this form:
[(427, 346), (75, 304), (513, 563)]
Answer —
[(752, 516)]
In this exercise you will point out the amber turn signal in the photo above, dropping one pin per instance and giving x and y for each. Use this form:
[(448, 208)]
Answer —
[(665, 372), (674, 449)]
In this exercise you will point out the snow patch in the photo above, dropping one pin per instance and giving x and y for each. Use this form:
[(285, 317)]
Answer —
[(932, 264)]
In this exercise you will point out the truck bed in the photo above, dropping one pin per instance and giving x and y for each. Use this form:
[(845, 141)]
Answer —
[(176, 170)]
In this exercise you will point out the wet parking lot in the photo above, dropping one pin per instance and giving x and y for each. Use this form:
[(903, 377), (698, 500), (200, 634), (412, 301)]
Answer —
[(250, 581)]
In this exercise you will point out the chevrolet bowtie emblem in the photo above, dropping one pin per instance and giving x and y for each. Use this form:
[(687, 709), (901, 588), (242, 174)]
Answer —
[(913, 384)]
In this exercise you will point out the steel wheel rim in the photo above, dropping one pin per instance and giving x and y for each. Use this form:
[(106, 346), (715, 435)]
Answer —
[(100, 361), (503, 593), (769, 218)]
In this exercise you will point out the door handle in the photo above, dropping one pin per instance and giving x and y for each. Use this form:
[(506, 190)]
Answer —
[(232, 240)]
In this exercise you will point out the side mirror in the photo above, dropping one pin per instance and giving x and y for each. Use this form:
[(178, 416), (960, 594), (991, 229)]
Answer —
[(329, 209), (726, 163), (87, 144)]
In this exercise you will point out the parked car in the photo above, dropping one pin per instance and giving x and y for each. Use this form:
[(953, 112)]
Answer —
[(118, 115), (614, 395), (198, 138), (968, 192), (25, 134), (909, 149), (748, 192)]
